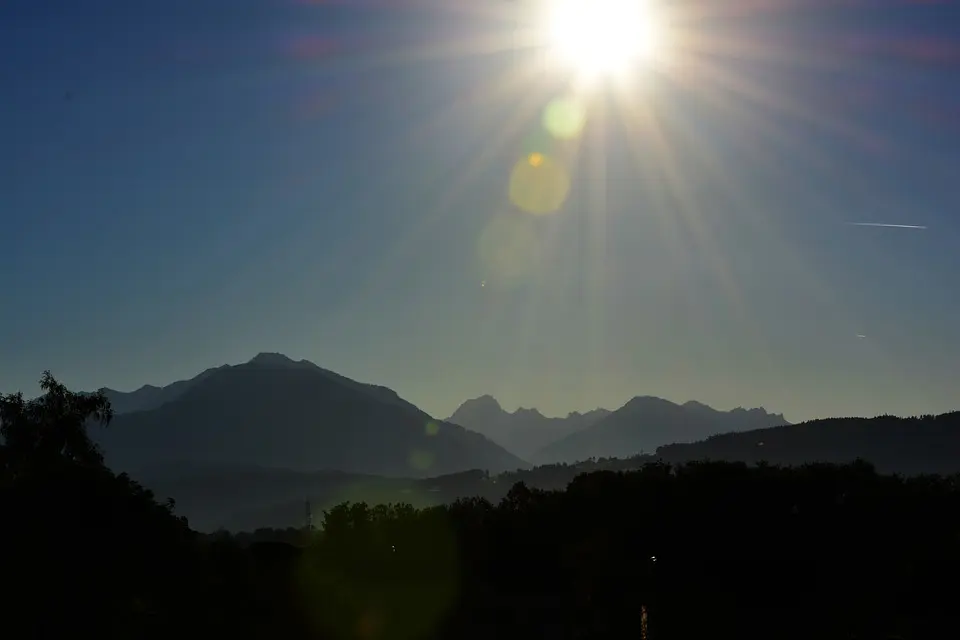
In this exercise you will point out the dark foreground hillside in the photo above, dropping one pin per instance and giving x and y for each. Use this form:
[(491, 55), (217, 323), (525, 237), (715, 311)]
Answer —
[(701, 550), (911, 446)]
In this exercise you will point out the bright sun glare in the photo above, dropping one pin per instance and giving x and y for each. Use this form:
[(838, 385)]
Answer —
[(603, 37)]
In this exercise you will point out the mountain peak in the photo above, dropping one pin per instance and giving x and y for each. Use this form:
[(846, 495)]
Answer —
[(524, 412), (323, 421), (485, 401), (271, 359), (758, 413), (647, 402), (483, 408)]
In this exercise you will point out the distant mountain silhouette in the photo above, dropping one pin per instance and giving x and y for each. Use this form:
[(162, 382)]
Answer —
[(523, 432), (645, 423), (150, 397), (275, 412), (927, 444)]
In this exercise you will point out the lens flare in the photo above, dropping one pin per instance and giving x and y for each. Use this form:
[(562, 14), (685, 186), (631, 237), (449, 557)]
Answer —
[(539, 184), (565, 118)]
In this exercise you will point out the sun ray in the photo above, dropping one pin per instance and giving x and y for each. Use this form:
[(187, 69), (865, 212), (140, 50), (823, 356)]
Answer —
[(712, 65), (789, 257), (595, 258), (643, 123), (523, 113), (778, 140), (753, 48), (713, 76)]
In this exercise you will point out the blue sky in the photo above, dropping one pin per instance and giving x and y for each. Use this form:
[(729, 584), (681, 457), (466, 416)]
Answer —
[(187, 183)]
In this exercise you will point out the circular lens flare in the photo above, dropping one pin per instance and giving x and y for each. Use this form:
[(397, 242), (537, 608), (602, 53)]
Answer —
[(564, 118), (539, 184)]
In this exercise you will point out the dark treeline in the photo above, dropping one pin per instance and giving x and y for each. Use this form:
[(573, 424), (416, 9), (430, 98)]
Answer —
[(706, 549)]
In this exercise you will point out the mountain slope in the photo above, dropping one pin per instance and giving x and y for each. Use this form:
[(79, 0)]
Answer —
[(645, 423), (927, 444), (275, 412), (523, 432), (150, 397)]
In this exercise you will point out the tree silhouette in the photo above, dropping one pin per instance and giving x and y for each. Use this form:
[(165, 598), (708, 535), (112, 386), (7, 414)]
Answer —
[(88, 551), (51, 427)]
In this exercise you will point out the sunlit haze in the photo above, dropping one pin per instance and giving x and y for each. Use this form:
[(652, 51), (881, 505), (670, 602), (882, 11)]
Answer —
[(755, 203)]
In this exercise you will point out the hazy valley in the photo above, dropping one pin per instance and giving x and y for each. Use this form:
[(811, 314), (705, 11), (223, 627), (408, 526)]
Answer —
[(246, 446)]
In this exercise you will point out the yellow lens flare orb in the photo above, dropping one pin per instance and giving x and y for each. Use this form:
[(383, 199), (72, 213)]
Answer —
[(538, 184), (598, 38)]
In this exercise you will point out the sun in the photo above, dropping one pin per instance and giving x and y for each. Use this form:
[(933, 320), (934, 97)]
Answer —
[(599, 38)]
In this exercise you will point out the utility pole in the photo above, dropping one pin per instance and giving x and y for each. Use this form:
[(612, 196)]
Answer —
[(308, 520)]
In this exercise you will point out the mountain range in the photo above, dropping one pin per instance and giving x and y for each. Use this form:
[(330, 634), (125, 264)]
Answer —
[(244, 445), (645, 423), (524, 431), (641, 425), (277, 412)]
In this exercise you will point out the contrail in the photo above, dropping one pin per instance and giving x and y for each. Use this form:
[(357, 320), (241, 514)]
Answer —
[(889, 226)]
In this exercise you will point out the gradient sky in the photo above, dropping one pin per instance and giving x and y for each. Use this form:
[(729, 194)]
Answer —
[(185, 183)]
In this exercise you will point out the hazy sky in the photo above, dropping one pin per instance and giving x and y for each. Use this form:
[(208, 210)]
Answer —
[(185, 183)]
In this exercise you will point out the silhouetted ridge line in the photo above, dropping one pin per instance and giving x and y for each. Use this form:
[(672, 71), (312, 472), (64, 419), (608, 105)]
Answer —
[(276, 412), (645, 423), (924, 444), (524, 431)]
